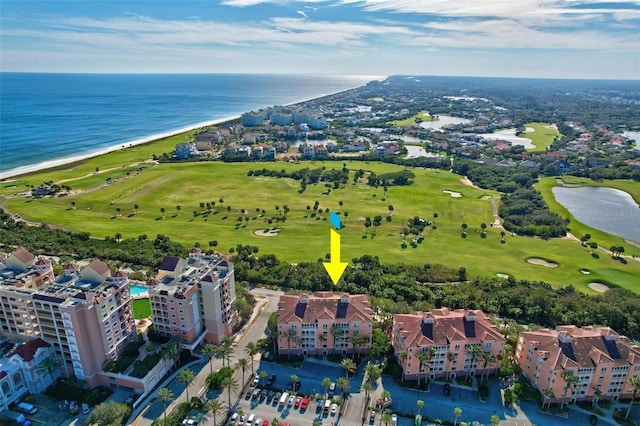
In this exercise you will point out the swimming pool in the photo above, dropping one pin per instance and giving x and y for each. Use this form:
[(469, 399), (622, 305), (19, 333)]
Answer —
[(136, 290)]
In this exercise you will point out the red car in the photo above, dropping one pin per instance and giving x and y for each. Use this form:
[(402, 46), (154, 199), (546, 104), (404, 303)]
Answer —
[(265, 423), (297, 402), (304, 404)]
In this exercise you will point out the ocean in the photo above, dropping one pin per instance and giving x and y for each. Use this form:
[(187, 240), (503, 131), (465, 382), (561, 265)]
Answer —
[(50, 117)]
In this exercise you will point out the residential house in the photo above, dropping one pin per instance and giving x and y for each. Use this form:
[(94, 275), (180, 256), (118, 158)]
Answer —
[(186, 150), (324, 323), (445, 343), (577, 364)]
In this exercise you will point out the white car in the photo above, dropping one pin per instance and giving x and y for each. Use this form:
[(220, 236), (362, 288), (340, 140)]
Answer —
[(256, 379), (394, 419), (334, 409), (258, 422), (242, 419), (291, 399)]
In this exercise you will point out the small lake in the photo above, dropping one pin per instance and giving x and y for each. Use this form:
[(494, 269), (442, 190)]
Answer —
[(510, 135), (443, 120), (418, 151), (633, 135), (607, 209)]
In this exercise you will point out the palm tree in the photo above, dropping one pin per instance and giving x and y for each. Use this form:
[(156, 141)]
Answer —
[(50, 365), (386, 417), (422, 359), (73, 205), (336, 333), (349, 366), (340, 203), (420, 404), (343, 384), (367, 388), (390, 208), (225, 353), (294, 380), (243, 363), (163, 210), (373, 372), (216, 408), (547, 394), (176, 342), (474, 351), (495, 420), (435, 216), (187, 376), (165, 396), (263, 375), (231, 384), (356, 341), (450, 358), (487, 359), (403, 360), (210, 350), (457, 412), (290, 335), (136, 208), (570, 381), (502, 234), (275, 421), (464, 228), (326, 383), (251, 349), (635, 385)]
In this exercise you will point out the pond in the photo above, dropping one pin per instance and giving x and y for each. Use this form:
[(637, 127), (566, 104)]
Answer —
[(633, 136), (510, 135), (443, 120), (418, 151), (607, 209)]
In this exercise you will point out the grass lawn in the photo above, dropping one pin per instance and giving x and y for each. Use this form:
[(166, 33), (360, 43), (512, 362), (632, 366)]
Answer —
[(141, 308), (305, 238), (422, 115), (542, 136)]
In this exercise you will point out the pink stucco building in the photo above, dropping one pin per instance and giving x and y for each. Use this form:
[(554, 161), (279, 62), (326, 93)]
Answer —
[(453, 343), (324, 323), (601, 360)]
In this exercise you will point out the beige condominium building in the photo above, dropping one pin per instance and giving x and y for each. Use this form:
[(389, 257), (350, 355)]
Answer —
[(324, 323), (572, 363), (194, 298), (444, 343), (85, 314)]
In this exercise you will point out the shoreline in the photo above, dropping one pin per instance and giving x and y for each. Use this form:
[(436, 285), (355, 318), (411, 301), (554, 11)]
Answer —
[(12, 174)]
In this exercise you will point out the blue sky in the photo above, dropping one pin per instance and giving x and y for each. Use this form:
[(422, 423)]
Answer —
[(517, 38)]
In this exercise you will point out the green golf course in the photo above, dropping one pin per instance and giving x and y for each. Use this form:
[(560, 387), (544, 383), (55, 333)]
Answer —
[(237, 201)]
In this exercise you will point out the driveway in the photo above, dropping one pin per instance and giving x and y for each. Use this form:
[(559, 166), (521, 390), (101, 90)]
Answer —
[(439, 406)]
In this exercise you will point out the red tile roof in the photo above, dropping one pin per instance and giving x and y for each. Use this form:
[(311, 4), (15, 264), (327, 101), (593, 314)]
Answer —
[(23, 255), (324, 305), (99, 266), (28, 350)]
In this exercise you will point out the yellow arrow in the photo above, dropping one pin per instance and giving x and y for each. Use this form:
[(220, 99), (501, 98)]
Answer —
[(335, 268)]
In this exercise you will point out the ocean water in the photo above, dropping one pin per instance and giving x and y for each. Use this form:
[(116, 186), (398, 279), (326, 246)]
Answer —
[(47, 117)]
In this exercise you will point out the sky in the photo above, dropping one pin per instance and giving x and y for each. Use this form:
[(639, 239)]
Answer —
[(494, 38)]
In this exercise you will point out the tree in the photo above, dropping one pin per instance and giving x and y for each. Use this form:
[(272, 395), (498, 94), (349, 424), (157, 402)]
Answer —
[(390, 208), (344, 385), (340, 203), (495, 420), (263, 375), (373, 372), (420, 404), (349, 366), (483, 226), (464, 228), (422, 360), (50, 365), (474, 351), (487, 359), (136, 207), (275, 421), (502, 234), (73, 205), (163, 210), (435, 216), (178, 208), (336, 333), (386, 417), (290, 335), (547, 394), (367, 388), (215, 407), (213, 244), (231, 384), (187, 376), (251, 349), (326, 383), (570, 381), (356, 340), (635, 385), (593, 246), (243, 363), (165, 396), (403, 360), (367, 224), (210, 350), (294, 380), (345, 214), (109, 414), (457, 412)]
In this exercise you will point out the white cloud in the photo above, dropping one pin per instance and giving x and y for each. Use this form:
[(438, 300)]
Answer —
[(302, 13)]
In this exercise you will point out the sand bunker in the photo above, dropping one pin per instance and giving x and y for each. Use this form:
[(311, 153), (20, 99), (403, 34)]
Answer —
[(584, 271), (453, 193), (486, 197), (599, 287), (505, 276), (267, 232), (542, 262)]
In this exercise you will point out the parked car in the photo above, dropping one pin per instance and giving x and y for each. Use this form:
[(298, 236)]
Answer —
[(258, 422), (233, 419), (319, 405), (26, 408), (263, 395), (249, 392), (332, 389), (265, 423), (243, 418), (394, 419), (297, 402), (334, 409), (447, 389), (276, 398), (256, 393), (256, 379), (271, 380), (85, 408), (372, 417), (304, 404), (291, 399), (270, 396)]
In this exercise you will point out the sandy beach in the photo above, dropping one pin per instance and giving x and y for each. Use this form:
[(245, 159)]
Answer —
[(6, 176)]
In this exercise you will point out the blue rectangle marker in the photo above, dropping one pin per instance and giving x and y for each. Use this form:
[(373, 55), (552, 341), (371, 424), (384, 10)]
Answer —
[(335, 220)]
